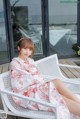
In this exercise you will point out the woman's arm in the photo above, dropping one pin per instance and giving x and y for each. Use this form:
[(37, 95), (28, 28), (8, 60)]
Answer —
[(20, 79)]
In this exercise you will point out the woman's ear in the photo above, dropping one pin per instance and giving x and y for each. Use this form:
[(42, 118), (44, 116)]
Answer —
[(18, 48)]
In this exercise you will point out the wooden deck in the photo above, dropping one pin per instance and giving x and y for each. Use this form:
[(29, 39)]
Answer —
[(4, 68), (68, 72)]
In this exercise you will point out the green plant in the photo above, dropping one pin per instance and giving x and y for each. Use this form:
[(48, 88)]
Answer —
[(76, 48)]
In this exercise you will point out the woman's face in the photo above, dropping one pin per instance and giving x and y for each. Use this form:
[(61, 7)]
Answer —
[(25, 52)]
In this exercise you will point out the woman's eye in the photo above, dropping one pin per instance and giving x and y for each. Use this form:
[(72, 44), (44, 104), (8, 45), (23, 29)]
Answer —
[(30, 49)]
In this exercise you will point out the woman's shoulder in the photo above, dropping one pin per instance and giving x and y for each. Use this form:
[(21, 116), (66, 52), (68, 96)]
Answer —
[(15, 60)]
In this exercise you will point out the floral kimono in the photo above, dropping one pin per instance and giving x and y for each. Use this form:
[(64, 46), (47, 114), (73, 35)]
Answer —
[(28, 81)]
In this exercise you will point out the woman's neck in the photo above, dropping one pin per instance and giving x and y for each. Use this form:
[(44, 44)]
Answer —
[(22, 57)]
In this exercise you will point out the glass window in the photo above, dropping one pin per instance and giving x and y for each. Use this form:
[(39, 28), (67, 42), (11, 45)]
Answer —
[(3, 41), (62, 26), (26, 22)]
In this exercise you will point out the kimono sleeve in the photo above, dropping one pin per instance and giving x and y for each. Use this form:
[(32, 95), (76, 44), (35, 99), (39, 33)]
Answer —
[(20, 79)]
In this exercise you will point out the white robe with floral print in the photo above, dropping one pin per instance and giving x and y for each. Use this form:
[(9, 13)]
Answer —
[(28, 81)]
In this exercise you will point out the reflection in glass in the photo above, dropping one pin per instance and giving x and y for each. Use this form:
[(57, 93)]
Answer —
[(3, 43), (26, 22), (62, 27)]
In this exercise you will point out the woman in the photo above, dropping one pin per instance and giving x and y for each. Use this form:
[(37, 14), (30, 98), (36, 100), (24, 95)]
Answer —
[(28, 81)]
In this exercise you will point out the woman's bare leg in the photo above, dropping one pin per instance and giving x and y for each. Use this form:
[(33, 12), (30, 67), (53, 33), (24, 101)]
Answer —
[(63, 90), (73, 106)]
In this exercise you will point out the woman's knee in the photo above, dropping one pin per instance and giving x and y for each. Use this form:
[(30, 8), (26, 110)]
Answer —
[(56, 82)]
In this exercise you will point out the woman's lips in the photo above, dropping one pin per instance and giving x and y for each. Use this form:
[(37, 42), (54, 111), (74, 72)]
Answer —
[(26, 54)]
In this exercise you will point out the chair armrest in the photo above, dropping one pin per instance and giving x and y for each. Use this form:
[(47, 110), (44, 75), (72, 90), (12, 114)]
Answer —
[(71, 80), (50, 78), (27, 98), (64, 79), (69, 66)]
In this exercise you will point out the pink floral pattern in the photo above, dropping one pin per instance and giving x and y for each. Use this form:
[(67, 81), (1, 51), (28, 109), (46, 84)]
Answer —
[(28, 81)]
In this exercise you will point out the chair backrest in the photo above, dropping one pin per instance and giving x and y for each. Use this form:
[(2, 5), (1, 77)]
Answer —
[(49, 66)]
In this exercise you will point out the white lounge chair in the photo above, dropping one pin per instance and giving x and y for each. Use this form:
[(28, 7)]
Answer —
[(49, 66)]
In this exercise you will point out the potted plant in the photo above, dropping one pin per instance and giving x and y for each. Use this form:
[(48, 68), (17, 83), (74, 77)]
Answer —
[(76, 48)]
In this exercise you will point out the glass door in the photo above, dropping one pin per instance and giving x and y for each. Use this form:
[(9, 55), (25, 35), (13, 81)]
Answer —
[(4, 54), (62, 26), (27, 22)]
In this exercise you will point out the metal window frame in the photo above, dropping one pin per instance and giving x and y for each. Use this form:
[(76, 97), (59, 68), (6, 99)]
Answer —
[(9, 28), (45, 27), (6, 28), (78, 22)]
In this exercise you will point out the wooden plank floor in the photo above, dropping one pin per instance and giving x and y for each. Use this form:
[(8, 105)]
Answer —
[(4, 67), (69, 72)]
